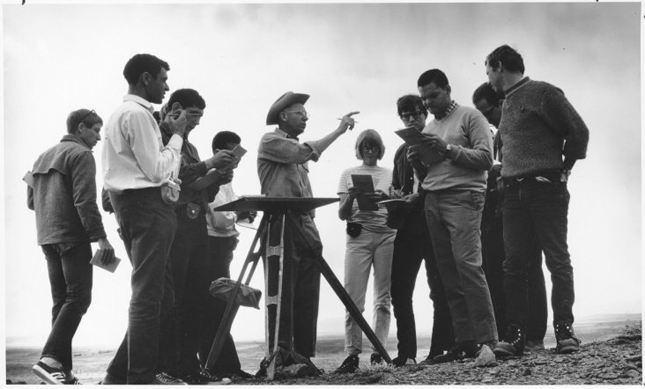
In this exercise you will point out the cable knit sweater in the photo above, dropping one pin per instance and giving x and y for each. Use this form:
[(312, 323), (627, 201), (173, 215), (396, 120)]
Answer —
[(538, 127)]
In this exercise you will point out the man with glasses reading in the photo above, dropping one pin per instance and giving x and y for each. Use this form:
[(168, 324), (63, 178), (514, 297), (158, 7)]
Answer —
[(283, 172), (412, 246)]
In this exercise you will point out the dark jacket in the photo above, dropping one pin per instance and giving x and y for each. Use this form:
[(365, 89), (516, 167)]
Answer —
[(403, 179), (63, 194)]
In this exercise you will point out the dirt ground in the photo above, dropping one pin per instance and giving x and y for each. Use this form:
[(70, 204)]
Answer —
[(611, 353)]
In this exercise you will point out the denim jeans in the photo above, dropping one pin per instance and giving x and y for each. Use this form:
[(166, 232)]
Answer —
[(221, 249), (539, 209), (411, 247), (369, 249), (189, 265), (70, 278), (493, 255), (147, 227), (454, 218)]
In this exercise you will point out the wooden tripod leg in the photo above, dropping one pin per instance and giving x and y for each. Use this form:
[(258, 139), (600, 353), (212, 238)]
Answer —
[(231, 307), (341, 292), (275, 299)]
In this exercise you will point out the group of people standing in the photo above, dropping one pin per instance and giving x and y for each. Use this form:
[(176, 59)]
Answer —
[(177, 244), (481, 226)]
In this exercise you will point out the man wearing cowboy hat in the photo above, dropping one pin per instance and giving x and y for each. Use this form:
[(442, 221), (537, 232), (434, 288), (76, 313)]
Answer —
[(283, 172)]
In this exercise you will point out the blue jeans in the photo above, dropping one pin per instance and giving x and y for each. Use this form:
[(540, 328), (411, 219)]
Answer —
[(454, 218), (411, 247), (70, 278), (147, 227), (539, 209)]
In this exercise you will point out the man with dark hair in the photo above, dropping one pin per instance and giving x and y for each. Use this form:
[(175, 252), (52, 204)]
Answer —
[(138, 172), (542, 138), (62, 192), (454, 187), (283, 172), (488, 102), (189, 254), (222, 239), (412, 246)]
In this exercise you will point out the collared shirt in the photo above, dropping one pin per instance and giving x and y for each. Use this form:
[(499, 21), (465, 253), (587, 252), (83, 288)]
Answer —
[(63, 194), (222, 223), (134, 156), (282, 165), (451, 108)]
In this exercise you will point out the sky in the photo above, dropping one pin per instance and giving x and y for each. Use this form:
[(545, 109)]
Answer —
[(348, 57)]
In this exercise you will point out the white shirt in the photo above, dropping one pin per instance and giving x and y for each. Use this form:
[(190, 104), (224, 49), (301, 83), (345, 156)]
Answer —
[(134, 156), (222, 224)]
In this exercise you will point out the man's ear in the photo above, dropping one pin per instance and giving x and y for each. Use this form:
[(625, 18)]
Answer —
[(175, 106), (80, 128), (145, 78)]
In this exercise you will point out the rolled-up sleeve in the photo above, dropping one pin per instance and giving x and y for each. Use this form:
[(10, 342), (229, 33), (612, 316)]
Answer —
[(284, 150)]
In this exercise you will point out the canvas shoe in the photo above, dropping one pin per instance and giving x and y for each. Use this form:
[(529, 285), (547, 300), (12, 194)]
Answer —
[(403, 361), (53, 375), (457, 352), (166, 379), (376, 359)]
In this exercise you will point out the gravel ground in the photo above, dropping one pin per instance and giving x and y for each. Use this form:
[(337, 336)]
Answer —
[(617, 361)]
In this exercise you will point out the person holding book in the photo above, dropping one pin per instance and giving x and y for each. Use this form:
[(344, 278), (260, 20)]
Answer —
[(189, 254), (412, 247), (62, 192), (455, 187), (369, 243)]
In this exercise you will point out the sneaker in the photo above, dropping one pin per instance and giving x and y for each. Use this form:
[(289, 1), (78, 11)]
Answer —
[(376, 359), (534, 345), (51, 375), (71, 378), (349, 365), (567, 341), (166, 379), (402, 361), (203, 377), (485, 357), (512, 344), (457, 352)]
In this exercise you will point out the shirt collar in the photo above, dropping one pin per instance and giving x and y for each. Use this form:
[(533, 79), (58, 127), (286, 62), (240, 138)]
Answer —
[(517, 85), (73, 138), (285, 134), (141, 101), (450, 109)]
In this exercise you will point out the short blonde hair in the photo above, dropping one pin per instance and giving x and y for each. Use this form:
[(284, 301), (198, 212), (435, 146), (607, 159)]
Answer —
[(369, 136)]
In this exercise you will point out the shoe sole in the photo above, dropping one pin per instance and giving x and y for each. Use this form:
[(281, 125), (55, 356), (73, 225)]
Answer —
[(568, 350), (44, 375)]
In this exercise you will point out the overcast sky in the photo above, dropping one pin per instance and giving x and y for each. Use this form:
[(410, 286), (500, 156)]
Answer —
[(58, 58)]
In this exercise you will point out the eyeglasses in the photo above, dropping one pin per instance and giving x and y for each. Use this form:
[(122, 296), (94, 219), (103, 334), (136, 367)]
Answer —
[(86, 116), (367, 149), (301, 112), (414, 115)]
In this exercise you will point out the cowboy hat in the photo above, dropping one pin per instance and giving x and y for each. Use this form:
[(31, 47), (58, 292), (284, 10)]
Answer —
[(284, 101)]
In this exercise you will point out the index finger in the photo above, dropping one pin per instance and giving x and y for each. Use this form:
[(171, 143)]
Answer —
[(352, 113)]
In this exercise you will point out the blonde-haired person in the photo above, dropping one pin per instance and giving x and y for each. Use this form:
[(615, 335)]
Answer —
[(370, 243)]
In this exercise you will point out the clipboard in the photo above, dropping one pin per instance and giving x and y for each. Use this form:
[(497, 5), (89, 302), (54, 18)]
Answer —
[(366, 185), (413, 137)]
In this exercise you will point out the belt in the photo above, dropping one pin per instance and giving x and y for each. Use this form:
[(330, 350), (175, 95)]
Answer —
[(141, 191), (545, 176)]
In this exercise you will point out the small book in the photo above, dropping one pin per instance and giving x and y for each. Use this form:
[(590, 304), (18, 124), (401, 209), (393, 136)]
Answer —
[(413, 137), (364, 182), (213, 175), (96, 261)]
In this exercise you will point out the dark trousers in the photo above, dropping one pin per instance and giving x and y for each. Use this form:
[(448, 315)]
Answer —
[(410, 249), (493, 255), (147, 228), (189, 265), (221, 255), (300, 287), (539, 209), (70, 278)]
